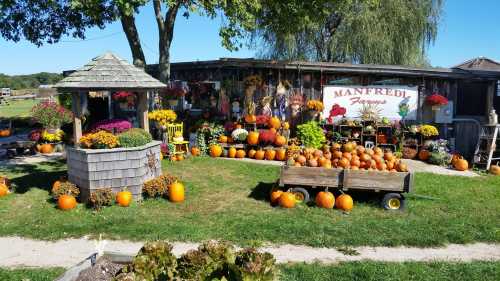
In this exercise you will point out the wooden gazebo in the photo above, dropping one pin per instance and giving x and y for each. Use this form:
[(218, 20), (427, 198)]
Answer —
[(94, 169), (109, 73)]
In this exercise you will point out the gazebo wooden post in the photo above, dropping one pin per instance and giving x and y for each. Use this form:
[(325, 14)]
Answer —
[(142, 110), (77, 114)]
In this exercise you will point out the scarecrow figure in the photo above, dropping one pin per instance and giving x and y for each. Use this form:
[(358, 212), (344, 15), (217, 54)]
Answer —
[(266, 106), (280, 102)]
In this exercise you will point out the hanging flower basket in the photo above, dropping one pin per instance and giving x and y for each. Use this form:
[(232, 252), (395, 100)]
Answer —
[(436, 101)]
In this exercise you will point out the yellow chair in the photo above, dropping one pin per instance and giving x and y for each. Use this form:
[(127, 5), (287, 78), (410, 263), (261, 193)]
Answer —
[(175, 131)]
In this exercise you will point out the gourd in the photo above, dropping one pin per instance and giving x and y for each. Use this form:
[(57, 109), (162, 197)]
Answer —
[(240, 153), (123, 198), (287, 200), (280, 141), (275, 195), (253, 138), (274, 122), (344, 202), (250, 118), (260, 154), (66, 202), (232, 152), (195, 151), (251, 153), (281, 154), (424, 155), (270, 154), (176, 192), (223, 139), (461, 164), (215, 150), (325, 199), (4, 190)]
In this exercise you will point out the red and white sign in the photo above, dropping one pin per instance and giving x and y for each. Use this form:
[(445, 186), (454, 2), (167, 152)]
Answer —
[(393, 102)]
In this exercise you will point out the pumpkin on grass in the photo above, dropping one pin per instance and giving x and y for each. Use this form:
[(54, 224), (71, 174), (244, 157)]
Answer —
[(344, 202), (260, 154), (461, 164), (240, 153), (4, 190), (325, 199), (124, 198), (215, 150), (287, 200), (176, 192), (495, 170), (66, 202), (251, 153), (195, 151), (232, 152), (275, 195)]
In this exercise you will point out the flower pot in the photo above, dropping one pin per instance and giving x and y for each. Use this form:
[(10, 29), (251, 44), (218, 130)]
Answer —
[(52, 131), (46, 148)]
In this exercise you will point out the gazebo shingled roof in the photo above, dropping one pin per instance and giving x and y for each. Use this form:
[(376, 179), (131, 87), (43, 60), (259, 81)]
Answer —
[(109, 72)]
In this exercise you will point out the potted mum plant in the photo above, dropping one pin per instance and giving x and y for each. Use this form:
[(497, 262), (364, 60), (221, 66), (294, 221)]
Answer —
[(436, 101), (51, 116)]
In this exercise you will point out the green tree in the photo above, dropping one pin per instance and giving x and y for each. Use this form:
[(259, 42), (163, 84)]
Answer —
[(355, 31)]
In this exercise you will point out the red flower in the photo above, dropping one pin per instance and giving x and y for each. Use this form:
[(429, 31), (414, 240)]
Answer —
[(436, 99)]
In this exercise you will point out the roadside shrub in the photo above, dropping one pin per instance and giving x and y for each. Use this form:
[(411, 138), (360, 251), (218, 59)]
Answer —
[(67, 188), (158, 187), (100, 198), (134, 137)]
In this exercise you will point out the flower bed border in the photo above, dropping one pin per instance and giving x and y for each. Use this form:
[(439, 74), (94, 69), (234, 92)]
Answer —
[(92, 169)]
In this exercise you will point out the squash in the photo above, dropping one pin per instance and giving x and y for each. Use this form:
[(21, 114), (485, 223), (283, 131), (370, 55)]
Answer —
[(280, 141), (274, 123), (124, 198), (46, 148), (287, 200), (232, 152), (355, 163), (253, 138), (240, 153), (176, 192), (250, 118), (180, 157), (215, 150), (301, 159), (348, 147), (327, 164), (66, 202), (281, 154), (4, 190), (344, 202), (223, 139), (251, 153), (495, 170), (337, 154), (461, 164), (195, 151), (270, 154), (275, 195), (260, 154), (325, 199), (344, 163), (424, 154)]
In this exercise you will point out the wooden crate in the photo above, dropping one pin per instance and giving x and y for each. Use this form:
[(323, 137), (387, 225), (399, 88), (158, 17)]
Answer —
[(308, 176), (377, 181)]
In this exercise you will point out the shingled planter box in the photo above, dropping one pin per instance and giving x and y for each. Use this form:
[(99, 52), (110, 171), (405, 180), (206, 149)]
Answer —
[(92, 169)]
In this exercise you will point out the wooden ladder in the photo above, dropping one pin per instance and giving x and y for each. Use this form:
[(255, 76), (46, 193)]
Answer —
[(487, 145)]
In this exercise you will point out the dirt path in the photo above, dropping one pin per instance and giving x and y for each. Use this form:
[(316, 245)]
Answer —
[(21, 252)]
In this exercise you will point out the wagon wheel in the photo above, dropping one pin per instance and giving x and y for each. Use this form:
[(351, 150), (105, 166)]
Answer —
[(301, 194), (393, 202)]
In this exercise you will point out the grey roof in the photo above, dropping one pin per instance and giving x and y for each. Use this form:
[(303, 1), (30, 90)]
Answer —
[(480, 63), (109, 72)]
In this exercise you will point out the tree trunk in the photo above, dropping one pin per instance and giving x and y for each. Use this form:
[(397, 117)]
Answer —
[(166, 32), (128, 25)]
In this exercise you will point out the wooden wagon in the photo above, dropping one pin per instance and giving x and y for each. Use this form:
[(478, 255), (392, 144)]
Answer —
[(391, 186)]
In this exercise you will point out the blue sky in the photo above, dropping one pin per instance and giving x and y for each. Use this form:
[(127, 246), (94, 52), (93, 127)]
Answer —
[(469, 29)]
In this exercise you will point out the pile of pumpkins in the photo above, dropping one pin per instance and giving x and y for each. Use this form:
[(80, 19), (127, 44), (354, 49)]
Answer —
[(324, 199), (4, 186), (278, 154), (348, 156)]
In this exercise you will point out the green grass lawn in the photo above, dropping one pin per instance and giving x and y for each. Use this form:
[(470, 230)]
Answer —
[(366, 271), (228, 200), (17, 108)]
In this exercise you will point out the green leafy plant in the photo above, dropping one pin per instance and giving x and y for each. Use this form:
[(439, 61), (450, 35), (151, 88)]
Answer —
[(100, 198), (158, 187), (441, 158), (65, 188), (134, 137), (251, 265), (155, 261), (207, 134), (311, 134), (51, 115), (211, 260)]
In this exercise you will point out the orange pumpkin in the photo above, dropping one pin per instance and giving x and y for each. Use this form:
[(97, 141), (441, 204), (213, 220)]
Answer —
[(461, 164), (4, 190), (454, 158), (251, 153), (195, 151), (5, 133), (348, 147), (47, 148), (327, 164), (344, 163), (176, 192), (274, 122), (337, 154), (301, 159), (124, 198), (253, 138), (312, 162), (240, 153), (232, 152), (270, 154), (223, 139), (321, 161), (275, 195), (335, 147), (286, 125), (369, 151), (215, 150), (424, 155), (180, 157), (325, 199), (347, 155), (360, 149), (344, 202), (66, 202), (495, 170), (280, 141), (281, 154), (250, 118), (287, 200), (355, 163), (260, 154)]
